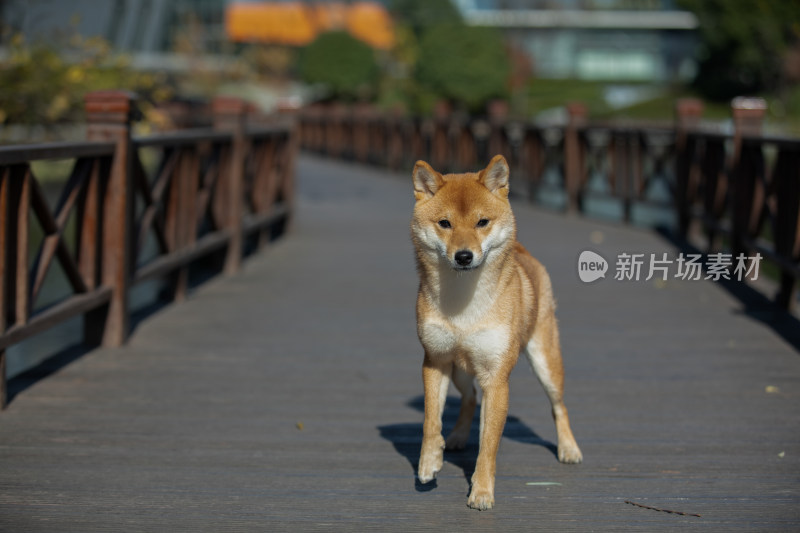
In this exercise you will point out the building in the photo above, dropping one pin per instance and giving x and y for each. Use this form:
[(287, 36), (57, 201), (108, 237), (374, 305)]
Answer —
[(615, 40), (135, 26)]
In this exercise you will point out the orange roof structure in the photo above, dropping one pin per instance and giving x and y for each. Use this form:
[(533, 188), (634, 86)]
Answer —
[(298, 23)]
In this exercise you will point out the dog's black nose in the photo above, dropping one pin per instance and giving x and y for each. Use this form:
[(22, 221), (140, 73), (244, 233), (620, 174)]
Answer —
[(464, 257)]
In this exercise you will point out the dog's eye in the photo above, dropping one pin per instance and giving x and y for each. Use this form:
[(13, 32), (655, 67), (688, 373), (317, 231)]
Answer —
[(482, 223), (444, 223)]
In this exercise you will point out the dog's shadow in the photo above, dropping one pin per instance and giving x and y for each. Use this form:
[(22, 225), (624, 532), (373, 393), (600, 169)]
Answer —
[(407, 438)]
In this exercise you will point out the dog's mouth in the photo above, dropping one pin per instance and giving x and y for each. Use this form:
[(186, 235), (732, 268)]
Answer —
[(466, 268)]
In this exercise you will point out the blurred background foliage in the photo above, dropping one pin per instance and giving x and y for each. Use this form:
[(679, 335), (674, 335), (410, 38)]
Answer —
[(465, 65), (747, 47), (344, 67), (438, 57), (43, 85)]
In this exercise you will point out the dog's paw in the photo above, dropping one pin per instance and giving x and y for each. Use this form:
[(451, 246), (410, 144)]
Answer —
[(428, 469), (480, 499), (457, 440), (430, 461), (569, 453)]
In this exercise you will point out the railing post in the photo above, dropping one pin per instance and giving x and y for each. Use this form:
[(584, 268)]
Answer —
[(230, 115), (574, 155), (360, 117), (15, 305), (687, 117), (748, 118), (109, 115), (3, 382), (497, 114), (440, 146), (786, 179)]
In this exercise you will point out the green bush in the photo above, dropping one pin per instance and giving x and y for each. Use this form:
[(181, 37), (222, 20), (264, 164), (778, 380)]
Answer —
[(467, 65), (40, 86), (342, 64), (420, 15)]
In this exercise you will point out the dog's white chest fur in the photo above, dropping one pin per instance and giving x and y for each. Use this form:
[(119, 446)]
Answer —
[(482, 348), (462, 330)]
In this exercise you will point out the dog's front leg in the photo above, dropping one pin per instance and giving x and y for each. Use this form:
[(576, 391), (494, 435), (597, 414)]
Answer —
[(494, 408), (435, 379)]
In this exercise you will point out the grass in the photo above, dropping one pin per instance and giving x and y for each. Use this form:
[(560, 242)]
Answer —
[(546, 94), (542, 94)]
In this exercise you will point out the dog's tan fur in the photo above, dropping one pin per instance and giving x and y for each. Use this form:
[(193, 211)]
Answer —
[(474, 320)]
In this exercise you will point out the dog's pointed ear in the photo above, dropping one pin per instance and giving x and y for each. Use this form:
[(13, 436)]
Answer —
[(495, 176), (426, 181)]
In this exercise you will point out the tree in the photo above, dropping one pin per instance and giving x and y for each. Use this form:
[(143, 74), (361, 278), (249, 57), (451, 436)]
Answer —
[(423, 14), (742, 44), (468, 65), (345, 66)]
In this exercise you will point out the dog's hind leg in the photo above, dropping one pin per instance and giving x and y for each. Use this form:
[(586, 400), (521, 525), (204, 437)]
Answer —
[(464, 382), (544, 355)]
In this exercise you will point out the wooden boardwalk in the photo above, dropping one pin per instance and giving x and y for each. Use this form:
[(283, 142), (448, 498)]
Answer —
[(288, 398)]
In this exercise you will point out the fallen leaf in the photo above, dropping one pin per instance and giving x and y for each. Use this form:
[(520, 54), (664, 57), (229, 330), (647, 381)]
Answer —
[(782, 455), (772, 389), (299, 426)]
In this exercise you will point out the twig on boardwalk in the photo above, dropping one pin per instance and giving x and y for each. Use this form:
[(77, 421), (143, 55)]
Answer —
[(662, 510)]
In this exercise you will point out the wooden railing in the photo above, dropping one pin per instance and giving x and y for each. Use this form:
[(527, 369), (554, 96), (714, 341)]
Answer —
[(742, 185), (189, 192), (744, 188)]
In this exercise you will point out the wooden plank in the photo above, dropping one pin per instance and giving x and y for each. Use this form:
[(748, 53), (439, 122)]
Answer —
[(88, 247), (53, 243), (7, 249), (166, 264), (152, 216), (220, 202), (22, 198), (260, 221), (191, 188), (182, 138), (6, 227), (172, 207), (87, 230), (23, 153), (186, 232), (288, 398), (3, 380), (72, 306), (288, 178), (118, 206), (234, 194), (72, 189), (266, 176), (208, 184), (280, 128)]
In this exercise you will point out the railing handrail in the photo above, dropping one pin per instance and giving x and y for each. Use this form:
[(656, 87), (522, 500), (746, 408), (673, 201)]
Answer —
[(182, 137), (22, 153)]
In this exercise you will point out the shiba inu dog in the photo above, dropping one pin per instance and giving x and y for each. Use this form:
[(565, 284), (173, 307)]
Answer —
[(482, 299)]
